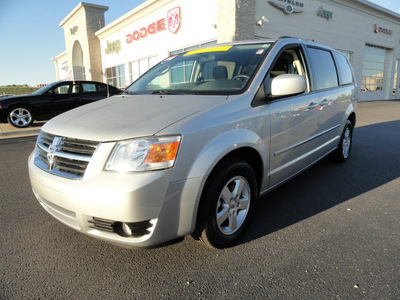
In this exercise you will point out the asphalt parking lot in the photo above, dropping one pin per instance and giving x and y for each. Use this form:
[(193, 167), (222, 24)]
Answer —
[(331, 233)]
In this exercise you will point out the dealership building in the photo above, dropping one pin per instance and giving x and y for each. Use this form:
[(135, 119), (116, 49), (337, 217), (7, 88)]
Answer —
[(121, 51)]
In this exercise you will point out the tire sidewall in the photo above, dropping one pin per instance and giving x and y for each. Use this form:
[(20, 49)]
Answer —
[(339, 152), (225, 174)]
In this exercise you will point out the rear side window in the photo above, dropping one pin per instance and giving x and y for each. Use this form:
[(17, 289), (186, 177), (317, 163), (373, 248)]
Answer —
[(88, 87), (345, 74), (324, 69)]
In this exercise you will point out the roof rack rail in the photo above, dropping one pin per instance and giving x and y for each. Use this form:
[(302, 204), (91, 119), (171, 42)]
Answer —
[(286, 37)]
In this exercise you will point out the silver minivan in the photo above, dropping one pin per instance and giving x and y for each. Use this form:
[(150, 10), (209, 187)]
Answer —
[(193, 143)]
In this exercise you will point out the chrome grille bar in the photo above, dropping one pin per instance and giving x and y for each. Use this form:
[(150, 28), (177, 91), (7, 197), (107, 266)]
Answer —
[(67, 158)]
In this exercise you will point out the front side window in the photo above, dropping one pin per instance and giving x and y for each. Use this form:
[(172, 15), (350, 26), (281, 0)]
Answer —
[(61, 89), (214, 70), (289, 62), (324, 70)]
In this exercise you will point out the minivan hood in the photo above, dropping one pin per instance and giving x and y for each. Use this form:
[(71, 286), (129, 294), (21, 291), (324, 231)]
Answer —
[(124, 117)]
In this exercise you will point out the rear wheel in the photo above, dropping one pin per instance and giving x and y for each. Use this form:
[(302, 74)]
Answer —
[(231, 195), (20, 117), (342, 153)]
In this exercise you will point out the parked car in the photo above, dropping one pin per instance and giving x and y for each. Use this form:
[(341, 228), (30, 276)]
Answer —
[(194, 142), (51, 100), (5, 95)]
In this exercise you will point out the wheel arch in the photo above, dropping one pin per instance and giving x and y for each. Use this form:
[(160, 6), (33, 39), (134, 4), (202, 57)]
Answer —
[(247, 154), (200, 155), (352, 119)]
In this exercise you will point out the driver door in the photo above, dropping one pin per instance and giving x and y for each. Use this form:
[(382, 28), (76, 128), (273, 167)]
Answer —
[(62, 97), (293, 121)]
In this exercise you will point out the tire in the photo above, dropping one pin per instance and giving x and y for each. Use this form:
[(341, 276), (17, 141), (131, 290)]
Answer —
[(230, 195), (20, 116), (342, 153)]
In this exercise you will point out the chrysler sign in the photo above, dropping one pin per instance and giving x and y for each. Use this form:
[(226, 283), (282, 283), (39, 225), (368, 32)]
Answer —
[(288, 6)]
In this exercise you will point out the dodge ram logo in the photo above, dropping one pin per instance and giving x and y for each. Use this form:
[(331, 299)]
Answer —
[(53, 148), (174, 19)]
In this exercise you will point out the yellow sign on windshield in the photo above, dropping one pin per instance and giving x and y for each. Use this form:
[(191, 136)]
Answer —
[(211, 49)]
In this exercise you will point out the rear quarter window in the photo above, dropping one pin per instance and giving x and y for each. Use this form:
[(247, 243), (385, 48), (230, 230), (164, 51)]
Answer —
[(323, 67), (102, 88), (344, 69)]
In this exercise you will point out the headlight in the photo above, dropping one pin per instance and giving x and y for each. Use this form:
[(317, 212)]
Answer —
[(144, 154)]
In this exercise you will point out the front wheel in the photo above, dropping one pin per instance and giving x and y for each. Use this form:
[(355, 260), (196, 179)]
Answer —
[(231, 195), (342, 153), (20, 117)]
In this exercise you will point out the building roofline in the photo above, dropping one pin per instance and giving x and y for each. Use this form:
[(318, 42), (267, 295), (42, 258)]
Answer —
[(83, 5), (376, 7), (125, 16), (59, 55)]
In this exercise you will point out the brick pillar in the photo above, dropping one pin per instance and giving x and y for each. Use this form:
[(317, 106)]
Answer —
[(235, 20)]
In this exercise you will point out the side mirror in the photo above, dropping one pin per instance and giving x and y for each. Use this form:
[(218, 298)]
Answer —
[(287, 84)]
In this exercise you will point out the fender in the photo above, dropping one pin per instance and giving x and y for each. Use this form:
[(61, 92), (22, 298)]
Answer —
[(212, 153), (349, 110)]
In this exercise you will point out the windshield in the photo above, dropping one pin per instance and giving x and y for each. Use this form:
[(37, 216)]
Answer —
[(44, 89), (214, 70)]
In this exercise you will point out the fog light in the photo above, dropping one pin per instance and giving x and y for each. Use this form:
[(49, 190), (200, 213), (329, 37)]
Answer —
[(134, 229), (126, 229)]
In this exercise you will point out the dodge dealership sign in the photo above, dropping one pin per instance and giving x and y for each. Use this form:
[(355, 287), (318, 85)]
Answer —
[(174, 24)]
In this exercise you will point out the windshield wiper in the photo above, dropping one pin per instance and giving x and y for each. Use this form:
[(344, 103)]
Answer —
[(158, 92), (162, 92)]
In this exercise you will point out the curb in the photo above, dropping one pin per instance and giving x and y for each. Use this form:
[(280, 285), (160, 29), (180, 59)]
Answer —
[(7, 131), (16, 134)]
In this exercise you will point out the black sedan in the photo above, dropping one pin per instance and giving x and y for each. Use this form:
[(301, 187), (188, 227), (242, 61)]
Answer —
[(51, 100)]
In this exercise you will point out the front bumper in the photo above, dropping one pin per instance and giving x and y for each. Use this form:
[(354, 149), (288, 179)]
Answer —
[(110, 199)]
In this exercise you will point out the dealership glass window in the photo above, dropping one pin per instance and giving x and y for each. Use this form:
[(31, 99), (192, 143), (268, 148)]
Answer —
[(181, 72), (373, 69), (396, 70), (116, 76), (348, 54), (324, 69), (139, 67)]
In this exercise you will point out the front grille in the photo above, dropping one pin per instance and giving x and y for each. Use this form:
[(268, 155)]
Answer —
[(63, 156)]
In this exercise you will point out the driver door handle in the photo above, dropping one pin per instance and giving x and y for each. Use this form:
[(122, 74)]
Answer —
[(312, 106)]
